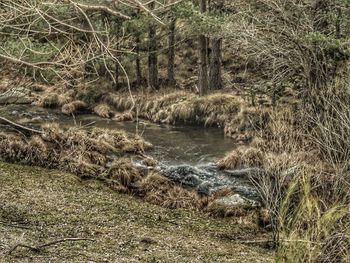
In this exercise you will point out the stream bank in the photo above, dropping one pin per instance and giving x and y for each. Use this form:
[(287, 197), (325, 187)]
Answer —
[(185, 154)]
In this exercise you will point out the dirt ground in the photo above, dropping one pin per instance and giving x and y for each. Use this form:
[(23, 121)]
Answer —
[(38, 206)]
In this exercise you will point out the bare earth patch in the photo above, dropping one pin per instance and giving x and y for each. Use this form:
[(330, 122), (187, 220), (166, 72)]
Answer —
[(38, 206)]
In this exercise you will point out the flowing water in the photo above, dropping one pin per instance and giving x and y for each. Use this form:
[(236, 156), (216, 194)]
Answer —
[(186, 154)]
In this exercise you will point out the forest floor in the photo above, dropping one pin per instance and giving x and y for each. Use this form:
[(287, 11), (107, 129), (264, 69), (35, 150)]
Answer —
[(38, 206)]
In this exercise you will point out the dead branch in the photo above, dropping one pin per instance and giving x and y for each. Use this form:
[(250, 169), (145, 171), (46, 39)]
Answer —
[(39, 248), (101, 8), (14, 225), (19, 126)]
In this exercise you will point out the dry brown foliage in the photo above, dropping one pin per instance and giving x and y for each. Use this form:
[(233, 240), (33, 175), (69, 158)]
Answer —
[(103, 110), (73, 107)]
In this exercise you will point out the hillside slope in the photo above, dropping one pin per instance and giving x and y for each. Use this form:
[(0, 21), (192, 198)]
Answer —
[(39, 206)]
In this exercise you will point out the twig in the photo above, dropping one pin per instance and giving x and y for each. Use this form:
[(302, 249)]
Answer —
[(101, 8), (39, 248), (19, 125), (251, 241), (281, 241), (14, 225), (89, 124)]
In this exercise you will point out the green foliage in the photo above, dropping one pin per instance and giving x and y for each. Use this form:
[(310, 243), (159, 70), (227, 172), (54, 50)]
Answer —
[(91, 95), (197, 22), (29, 48), (138, 23), (339, 48)]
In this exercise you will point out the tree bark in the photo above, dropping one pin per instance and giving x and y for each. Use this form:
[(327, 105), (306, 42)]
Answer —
[(116, 76), (202, 64), (171, 52), (116, 71), (138, 62), (152, 54), (215, 79)]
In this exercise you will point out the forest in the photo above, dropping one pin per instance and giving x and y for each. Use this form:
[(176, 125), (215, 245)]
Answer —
[(175, 131)]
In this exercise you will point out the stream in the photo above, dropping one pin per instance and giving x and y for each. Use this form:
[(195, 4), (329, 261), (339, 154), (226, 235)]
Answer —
[(185, 154)]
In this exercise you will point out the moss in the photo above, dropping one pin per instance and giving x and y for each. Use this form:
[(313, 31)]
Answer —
[(39, 205)]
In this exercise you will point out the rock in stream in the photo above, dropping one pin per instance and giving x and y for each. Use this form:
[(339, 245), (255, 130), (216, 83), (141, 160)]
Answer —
[(207, 179)]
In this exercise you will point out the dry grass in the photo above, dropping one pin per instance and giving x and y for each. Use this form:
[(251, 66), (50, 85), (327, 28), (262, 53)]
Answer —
[(49, 100), (76, 150), (218, 210), (53, 98), (123, 116), (150, 162), (299, 187), (159, 190), (181, 107), (103, 110), (124, 172), (74, 107), (83, 152), (242, 157)]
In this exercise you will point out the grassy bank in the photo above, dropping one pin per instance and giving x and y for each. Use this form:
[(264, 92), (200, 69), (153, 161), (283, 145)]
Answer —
[(39, 206), (236, 116), (229, 111)]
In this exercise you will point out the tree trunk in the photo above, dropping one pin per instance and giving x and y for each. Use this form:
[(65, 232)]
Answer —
[(152, 54), (116, 75), (171, 53), (215, 79), (202, 64), (116, 72), (138, 62)]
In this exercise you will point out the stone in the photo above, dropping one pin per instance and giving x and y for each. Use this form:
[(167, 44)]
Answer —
[(237, 200)]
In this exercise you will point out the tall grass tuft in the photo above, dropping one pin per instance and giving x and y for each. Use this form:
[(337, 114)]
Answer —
[(308, 234)]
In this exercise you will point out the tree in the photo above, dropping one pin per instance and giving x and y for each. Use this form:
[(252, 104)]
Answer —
[(215, 79), (138, 61), (202, 63), (171, 52), (153, 80)]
